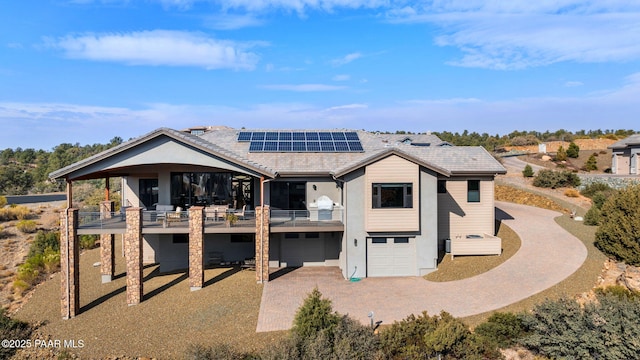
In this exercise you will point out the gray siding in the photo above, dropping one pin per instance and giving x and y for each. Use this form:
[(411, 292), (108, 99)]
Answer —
[(353, 258), (427, 241)]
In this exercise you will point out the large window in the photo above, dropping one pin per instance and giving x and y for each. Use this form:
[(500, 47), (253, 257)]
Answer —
[(290, 195), (473, 191), (149, 192), (392, 195)]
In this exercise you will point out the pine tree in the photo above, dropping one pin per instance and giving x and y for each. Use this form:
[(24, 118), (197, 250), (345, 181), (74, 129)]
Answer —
[(591, 164), (573, 151), (561, 155), (528, 171)]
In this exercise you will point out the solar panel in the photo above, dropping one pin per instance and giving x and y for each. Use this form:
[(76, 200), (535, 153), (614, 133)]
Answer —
[(299, 146), (256, 146), (313, 146), (327, 146), (284, 146), (355, 146), (301, 141), (312, 136), (341, 146), (270, 146), (244, 136), (325, 136), (352, 136), (338, 136)]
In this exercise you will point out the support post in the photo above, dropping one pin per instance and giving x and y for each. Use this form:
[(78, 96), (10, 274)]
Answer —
[(133, 255), (107, 248), (262, 244), (69, 264), (196, 247)]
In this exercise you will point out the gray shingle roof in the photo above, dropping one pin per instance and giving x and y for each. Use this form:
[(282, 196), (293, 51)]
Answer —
[(631, 140), (222, 142)]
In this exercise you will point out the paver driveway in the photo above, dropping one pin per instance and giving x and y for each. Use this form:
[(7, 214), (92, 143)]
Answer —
[(548, 255)]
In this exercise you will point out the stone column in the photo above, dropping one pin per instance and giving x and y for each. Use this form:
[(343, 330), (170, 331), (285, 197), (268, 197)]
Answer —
[(133, 255), (196, 247), (107, 241), (69, 263), (262, 244)]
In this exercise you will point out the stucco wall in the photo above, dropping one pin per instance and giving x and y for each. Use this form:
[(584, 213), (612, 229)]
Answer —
[(427, 240), (353, 257)]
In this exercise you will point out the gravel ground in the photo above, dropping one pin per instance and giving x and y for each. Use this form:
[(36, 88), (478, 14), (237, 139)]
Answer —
[(169, 319)]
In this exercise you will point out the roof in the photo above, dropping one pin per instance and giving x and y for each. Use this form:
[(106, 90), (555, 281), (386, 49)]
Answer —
[(633, 140), (222, 142)]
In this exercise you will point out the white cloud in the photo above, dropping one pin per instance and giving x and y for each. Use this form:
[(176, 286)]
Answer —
[(573, 83), (347, 107), (231, 22), (346, 59), (341, 77), (303, 87), (160, 48), (522, 34)]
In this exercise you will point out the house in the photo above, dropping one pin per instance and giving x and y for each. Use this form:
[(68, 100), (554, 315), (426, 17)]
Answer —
[(371, 204), (625, 156)]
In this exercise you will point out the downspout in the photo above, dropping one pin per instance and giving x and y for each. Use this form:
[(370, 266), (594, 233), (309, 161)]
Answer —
[(67, 252)]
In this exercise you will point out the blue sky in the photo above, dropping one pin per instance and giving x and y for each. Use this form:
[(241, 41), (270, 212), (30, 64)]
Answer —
[(84, 71)]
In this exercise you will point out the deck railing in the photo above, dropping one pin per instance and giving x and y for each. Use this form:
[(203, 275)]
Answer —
[(305, 217)]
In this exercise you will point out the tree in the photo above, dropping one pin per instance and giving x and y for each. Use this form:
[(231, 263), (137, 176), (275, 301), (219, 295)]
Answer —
[(573, 151), (561, 155), (314, 315), (528, 171), (619, 231), (591, 164)]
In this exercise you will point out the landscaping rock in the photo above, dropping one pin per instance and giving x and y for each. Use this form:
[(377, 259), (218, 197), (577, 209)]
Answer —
[(630, 278), (545, 158)]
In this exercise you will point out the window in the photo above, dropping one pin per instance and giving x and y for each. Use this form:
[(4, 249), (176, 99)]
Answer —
[(442, 186), (392, 195), (290, 195), (473, 191), (180, 238), (242, 238), (401, 240), (378, 240)]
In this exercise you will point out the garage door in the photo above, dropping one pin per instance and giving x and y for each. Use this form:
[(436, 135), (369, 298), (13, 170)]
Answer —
[(391, 256), (302, 252)]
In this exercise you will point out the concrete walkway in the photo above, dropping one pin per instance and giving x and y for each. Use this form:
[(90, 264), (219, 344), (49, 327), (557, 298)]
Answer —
[(548, 255)]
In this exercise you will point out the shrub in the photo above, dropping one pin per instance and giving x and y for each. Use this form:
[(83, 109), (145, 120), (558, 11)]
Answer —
[(27, 226), (571, 193), (573, 151), (3, 201), (88, 242), (528, 171), (602, 329), (51, 260), (14, 212), (28, 273), (555, 179), (217, 352), (425, 337), (44, 240), (592, 189), (620, 291), (619, 231), (592, 217), (20, 286), (314, 315), (561, 155), (12, 329), (502, 328), (591, 164)]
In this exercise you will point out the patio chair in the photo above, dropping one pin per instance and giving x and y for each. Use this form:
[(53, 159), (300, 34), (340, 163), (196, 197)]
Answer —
[(240, 213), (175, 216)]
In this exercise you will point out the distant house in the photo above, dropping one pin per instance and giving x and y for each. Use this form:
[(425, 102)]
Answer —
[(625, 156), (370, 204)]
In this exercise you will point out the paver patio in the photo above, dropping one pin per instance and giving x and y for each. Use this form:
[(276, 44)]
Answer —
[(548, 254)]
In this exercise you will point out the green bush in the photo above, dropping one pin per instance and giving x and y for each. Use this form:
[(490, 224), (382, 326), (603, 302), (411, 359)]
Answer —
[(502, 328), (620, 291), (592, 217), (11, 329), (528, 171), (217, 352), (314, 315), (428, 337), (591, 164), (44, 240), (608, 328), (561, 155), (593, 188), (619, 232), (573, 151), (88, 242), (3, 201), (599, 199), (27, 226), (555, 179)]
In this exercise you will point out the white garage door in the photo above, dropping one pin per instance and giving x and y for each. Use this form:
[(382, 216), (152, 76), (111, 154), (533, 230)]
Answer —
[(391, 256), (302, 252)]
